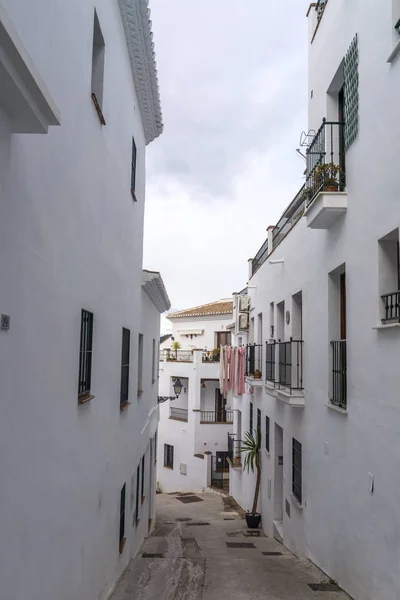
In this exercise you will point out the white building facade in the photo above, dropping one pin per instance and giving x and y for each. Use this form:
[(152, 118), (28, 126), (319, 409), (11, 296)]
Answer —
[(194, 427), (79, 318), (324, 317)]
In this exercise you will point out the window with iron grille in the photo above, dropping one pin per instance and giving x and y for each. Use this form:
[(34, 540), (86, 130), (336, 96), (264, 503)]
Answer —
[(251, 418), (136, 515), (140, 364), (98, 55), (85, 354), (126, 342), (297, 473), (168, 456), (133, 169), (143, 465), (153, 368), (259, 420), (267, 433), (122, 516)]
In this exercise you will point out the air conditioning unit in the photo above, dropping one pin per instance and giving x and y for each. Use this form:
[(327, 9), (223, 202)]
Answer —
[(243, 321), (244, 303)]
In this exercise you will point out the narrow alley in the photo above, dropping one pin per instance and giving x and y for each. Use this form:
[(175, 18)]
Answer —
[(200, 550)]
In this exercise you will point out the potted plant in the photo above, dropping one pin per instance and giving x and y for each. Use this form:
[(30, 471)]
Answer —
[(252, 462), (175, 347), (215, 354), (329, 177), (257, 374)]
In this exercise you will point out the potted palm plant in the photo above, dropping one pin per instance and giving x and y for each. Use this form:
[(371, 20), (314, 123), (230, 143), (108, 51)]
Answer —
[(252, 462), (175, 347)]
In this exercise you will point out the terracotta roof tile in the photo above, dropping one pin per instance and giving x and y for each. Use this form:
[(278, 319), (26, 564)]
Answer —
[(220, 307)]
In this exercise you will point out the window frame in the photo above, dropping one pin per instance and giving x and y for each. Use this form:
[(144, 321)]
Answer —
[(297, 470), (143, 462), (267, 433), (251, 420), (140, 364), (122, 512), (168, 456), (85, 356), (259, 419), (153, 366), (136, 515), (133, 169), (125, 367)]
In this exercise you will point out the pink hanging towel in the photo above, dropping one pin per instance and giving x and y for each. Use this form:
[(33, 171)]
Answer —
[(241, 371), (231, 358), (226, 372)]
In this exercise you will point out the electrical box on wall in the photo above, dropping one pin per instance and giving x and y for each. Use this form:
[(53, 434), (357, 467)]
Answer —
[(5, 322)]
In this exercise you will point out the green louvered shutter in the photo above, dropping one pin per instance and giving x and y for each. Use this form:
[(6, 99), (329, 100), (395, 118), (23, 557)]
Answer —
[(351, 78)]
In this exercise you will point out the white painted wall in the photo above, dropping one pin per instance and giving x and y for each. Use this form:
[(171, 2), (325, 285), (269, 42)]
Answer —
[(351, 533), (192, 437), (71, 238), (210, 325)]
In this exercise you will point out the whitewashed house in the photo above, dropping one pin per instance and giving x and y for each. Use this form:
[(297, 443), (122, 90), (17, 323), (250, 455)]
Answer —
[(194, 427), (325, 319), (80, 318)]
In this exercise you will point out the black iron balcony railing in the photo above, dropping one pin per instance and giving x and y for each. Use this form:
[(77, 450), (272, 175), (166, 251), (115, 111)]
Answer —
[(180, 414), (176, 355), (216, 416), (254, 360), (234, 450), (288, 220), (391, 303), (270, 351), (290, 364), (326, 161), (339, 373), (260, 257), (320, 7)]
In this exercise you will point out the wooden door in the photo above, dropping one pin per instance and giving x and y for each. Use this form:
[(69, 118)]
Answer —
[(223, 338)]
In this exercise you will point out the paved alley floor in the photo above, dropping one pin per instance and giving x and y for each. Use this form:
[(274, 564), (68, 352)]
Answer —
[(188, 558)]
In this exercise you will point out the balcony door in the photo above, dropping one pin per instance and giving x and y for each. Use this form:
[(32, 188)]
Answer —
[(220, 404)]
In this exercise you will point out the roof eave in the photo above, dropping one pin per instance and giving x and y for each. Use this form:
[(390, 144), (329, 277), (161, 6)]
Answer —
[(154, 287), (139, 38)]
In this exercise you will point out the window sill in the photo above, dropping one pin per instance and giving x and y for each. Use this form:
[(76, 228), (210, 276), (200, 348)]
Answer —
[(168, 467), (394, 52), (133, 195), (296, 502), (382, 326), (139, 393), (143, 499), (124, 406), (341, 411), (122, 545), (98, 109), (84, 399)]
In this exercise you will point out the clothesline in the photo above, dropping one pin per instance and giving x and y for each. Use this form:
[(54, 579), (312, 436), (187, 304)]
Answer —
[(232, 370)]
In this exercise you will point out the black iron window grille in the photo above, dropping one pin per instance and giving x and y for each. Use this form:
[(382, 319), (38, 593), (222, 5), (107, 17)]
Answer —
[(234, 449), (125, 354), (259, 420), (290, 364), (85, 354), (143, 473), (133, 169), (267, 440), (339, 373), (297, 472), (251, 417), (122, 517), (254, 360), (326, 161), (136, 516), (140, 364), (391, 303), (168, 456), (270, 349)]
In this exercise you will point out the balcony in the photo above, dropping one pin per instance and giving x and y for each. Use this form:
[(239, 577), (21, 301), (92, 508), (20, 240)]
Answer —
[(211, 356), (176, 355), (391, 307), (326, 198), (339, 374), (217, 417), (284, 371), (254, 362), (234, 451), (23, 95), (178, 414)]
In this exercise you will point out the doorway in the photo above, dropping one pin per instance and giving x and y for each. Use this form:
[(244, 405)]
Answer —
[(220, 407), (223, 338), (278, 478)]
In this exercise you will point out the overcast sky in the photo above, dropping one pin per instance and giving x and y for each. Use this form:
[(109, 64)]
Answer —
[(233, 83)]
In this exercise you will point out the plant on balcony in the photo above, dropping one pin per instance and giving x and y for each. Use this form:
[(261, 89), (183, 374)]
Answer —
[(329, 177), (175, 347), (252, 462), (257, 374), (215, 354)]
